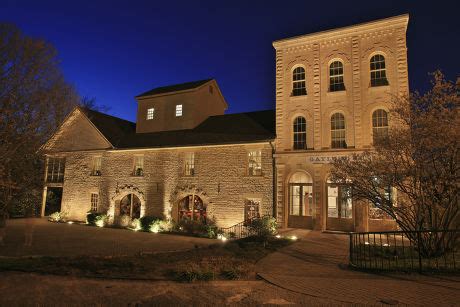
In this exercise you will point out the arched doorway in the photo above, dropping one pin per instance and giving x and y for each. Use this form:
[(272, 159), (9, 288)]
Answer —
[(130, 205), (192, 207), (300, 200)]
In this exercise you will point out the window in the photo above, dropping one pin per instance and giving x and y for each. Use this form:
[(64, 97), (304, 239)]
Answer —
[(378, 71), (192, 207), (338, 131), (300, 133), (251, 209), (339, 201), (138, 166), (189, 164), (298, 82), (55, 170), (383, 198), (96, 169), (300, 195), (94, 201), (336, 77), (178, 110), (150, 113), (379, 125), (130, 205), (255, 162)]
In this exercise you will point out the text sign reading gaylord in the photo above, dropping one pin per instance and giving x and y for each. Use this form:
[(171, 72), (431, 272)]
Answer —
[(324, 159)]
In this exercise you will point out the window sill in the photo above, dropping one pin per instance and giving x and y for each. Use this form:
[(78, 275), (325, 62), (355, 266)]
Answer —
[(299, 97), (336, 93), (379, 87)]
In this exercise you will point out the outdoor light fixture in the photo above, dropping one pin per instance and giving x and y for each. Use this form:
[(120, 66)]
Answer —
[(100, 223), (70, 222), (366, 243), (277, 236), (293, 238)]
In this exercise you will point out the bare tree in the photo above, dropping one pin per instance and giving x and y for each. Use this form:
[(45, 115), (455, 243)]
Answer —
[(418, 159), (34, 98)]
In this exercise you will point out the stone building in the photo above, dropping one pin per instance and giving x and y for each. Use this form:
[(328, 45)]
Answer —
[(333, 90), (183, 158)]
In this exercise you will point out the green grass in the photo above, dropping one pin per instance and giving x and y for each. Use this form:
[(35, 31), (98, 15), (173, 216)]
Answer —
[(230, 260)]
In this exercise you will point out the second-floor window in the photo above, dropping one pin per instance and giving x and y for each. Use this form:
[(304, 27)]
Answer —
[(378, 71), (138, 166), (300, 133), (178, 110), (96, 168), (150, 112), (298, 82), (94, 201), (55, 169), (189, 166), (255, 163), (379, 125), (338, 132), (336, 77)]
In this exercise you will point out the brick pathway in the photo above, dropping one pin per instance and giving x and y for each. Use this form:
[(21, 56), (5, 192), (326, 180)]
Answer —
[(316, 265)]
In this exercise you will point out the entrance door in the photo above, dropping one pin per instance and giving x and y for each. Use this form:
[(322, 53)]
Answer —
[(300, 200), (53, 200), (339, 207)]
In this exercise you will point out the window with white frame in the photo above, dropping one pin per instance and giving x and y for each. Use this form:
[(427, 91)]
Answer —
[(94, 201), (251, 208), (138, 166), (150, 112), (298, 82), (178, 110), (189, 164), (255, 162), (55, 169), (300, 133), (378, 71), (379, 125), (338, 132), (96, 169), (336, 77)]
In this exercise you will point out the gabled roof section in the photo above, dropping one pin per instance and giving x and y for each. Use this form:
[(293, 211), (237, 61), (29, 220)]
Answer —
[(113, 128), (174, 88)]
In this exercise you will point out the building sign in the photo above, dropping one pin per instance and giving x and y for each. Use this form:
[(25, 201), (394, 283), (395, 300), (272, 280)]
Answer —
[(324, 159)]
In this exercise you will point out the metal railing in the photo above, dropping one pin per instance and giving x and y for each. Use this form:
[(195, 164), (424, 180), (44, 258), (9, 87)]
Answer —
[(241, 230), (422, 251)]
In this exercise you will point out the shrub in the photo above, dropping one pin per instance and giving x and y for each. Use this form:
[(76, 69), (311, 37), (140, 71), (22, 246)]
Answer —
[(135, 224), (124, 220), (58, 217), (192, 227), (146, 221), (96, 219), (264, 226), (192, 272)]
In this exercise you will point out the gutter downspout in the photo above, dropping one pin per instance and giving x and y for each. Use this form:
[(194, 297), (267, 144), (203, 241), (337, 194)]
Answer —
[(274, 181)]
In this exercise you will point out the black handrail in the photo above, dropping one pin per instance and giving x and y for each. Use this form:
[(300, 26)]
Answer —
[(241, 230)]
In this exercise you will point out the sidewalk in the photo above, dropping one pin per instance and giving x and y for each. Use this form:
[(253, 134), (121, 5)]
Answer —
[(316, 265)]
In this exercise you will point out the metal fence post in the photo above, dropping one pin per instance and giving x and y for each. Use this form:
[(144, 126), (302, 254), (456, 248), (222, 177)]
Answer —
[(419, 254)]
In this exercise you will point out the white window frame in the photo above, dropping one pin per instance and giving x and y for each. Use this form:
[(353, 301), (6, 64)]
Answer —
[(189, 164), (255, 162), (297, 80), (179, 109), (338, 135), (150, 113), (334, 85), (379, 124), (138, 165), (97, 166), (379, 69), (94, 202)]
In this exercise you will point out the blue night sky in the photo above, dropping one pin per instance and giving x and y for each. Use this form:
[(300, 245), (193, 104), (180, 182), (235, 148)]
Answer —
[(114, 50)]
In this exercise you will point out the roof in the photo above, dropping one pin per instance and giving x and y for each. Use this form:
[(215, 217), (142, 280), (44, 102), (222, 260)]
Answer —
[(174, 88), (215, 130)]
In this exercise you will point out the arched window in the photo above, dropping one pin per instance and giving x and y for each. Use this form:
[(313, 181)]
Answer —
[(192, 207), (336, 77), (379, 124), (338, 134), (130, 205), (339, 200), (298, 82), (378, 71), (301, 194), (300, 133)]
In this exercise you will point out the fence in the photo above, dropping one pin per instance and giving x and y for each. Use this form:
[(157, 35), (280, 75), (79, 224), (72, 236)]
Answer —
[(406, 251), (242, 229)]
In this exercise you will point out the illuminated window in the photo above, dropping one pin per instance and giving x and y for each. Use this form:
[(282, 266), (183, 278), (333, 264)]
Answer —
[(251, 209), (336, 77), (96, 169), (339, 201), (379, 125), (189, 164), (300, 133), (378, 71), (255, 162), (94, 201), (298, 82), (55, 169), (300, 194), (138, 166), (178, 110), (338, 131), (150, 113)]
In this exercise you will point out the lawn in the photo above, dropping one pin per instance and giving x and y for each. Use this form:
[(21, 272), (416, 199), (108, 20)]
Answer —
[(225, 260)]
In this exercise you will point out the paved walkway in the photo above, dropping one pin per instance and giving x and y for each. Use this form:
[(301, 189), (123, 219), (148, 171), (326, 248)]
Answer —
[(58, 239), (316, 265)]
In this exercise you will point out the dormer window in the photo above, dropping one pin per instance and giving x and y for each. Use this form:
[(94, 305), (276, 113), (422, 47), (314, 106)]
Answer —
[(178, 110), (150, 113)]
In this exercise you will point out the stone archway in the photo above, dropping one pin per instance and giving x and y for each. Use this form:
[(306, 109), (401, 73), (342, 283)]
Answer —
[(182, 192), (120, 193)]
